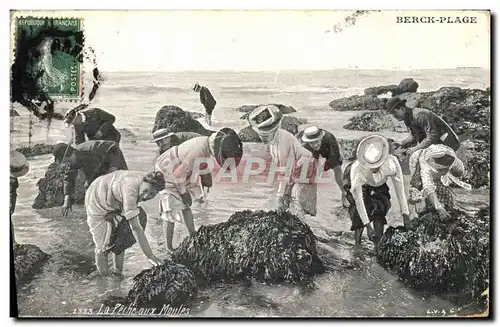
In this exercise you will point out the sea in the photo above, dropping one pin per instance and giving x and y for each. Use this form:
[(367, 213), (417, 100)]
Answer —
[(68, 284)]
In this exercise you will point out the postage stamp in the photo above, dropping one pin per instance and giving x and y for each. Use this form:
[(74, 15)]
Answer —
[(53, 56), (330, 163)]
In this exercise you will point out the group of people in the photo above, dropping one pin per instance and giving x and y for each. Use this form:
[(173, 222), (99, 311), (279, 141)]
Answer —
[(421, 169)]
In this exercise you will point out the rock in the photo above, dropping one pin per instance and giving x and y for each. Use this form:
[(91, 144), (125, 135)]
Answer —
[(373, 121), (476, 158), (170, 283), (407, 85), (289, 123), (50, 189), (177, 120), (437, 256), (14, 113), (488, 90), (247, 134), (36, 150), (358, 102), (379, 90), (252, 245), (28, 259), (348, 148), (249, 107), (292, 124)]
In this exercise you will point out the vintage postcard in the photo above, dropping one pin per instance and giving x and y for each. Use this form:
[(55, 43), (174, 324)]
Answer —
[(180, 164)]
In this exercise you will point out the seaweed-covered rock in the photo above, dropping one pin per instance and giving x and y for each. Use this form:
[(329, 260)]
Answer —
[(407, 85), (249, 107), (440, 256), (36, 150), (476, 159), (247, 134), (28, 259), (177, 120), (289, 123), (252, 245), (50, 189), (358, 102), (348, 148), (14, 113), (292, 124), (373, 121), (170, 283), (379, 90)]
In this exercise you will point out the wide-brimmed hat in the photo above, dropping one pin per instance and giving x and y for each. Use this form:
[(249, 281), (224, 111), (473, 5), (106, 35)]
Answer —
[(372, 151), (394, 103), (313, 134), (196, 86), (161, 134), (227, 144), (18, 164), (265, 119)]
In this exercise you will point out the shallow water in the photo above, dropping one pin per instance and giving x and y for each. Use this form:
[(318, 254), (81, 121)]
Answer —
[(68, 281)]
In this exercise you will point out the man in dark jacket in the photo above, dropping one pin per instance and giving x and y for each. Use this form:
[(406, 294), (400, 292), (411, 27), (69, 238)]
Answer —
[(207, 100), (323, 143), (426, 127), (95, 123), (95, 158)]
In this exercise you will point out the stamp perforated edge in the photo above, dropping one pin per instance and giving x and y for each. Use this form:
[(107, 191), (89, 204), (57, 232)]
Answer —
[(14, 15)]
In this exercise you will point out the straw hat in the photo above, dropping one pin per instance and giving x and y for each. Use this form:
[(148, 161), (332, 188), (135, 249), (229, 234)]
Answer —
[(373, 151), (313, 134), (160, 134), (18, 164), (227, 144), (394, 103), (265, 119)]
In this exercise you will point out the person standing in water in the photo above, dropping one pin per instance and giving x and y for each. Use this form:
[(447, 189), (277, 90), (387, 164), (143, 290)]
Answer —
[(365, 181), (179, 166), (288, 154), (114, 219), (207, 100), (323, 143), (18, 167)]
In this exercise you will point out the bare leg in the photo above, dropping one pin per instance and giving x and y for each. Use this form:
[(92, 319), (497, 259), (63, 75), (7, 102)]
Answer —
[(101, 260), (168, 233), (188, 220), (118, 262)]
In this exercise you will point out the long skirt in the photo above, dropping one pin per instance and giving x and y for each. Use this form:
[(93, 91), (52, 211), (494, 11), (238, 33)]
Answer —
[(377, 201)]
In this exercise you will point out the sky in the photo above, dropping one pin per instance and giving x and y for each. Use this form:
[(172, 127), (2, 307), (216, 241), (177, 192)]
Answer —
[(279, 40)]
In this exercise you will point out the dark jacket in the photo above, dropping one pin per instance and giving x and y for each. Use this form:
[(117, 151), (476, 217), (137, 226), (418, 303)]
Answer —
[(329, 150), (427, 128), (94, 158), (207, 100), (14, 184), (98, 125)]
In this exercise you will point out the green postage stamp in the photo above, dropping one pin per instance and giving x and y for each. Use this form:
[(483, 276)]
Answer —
[(52, 51)]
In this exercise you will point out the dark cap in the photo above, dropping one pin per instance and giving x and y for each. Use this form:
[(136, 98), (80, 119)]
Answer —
[(227, 144)]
